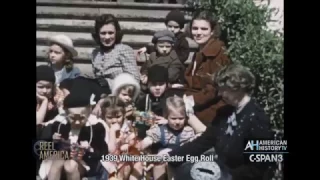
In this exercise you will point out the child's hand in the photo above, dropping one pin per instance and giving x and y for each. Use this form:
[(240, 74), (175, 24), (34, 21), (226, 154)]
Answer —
[(129, 110), (115, 127), (161, 120), (41, 98), (124, 148), (84, 144), (164, 152), (56, 136), (139, 146), (142, 50)]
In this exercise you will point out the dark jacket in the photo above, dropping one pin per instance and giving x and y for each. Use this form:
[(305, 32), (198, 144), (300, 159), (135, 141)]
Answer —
[(171, 62), (98, 141), (208, 61), (181, 46), (252, 123)]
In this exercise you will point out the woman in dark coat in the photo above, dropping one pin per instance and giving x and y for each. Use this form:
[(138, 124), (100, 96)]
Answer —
[(241, 119), (209, 59)]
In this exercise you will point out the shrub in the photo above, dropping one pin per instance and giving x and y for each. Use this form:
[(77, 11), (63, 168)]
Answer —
[(249, 42)]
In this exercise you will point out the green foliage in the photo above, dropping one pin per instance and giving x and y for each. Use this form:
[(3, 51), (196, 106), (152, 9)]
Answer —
[(251, 44)]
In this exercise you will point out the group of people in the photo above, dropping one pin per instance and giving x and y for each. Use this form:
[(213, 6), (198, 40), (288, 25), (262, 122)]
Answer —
[(165, 108)]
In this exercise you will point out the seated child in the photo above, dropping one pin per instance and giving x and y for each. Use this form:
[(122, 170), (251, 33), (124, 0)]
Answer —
[(175, 23), (121, 139), (151, 102), (89, 83), (46, 107), (127, 89), (165, 56), (76, 131), (60, 55), (169, 135)]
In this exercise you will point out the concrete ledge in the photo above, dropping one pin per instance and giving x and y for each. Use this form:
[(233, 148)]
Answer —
[(71, 25), (91, 13), (85, 39), (115, 5)]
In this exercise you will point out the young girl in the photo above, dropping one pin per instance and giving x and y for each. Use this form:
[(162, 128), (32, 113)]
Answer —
[(121, 139), (60, 55), (46, 107), (127, 89), (170, 135)]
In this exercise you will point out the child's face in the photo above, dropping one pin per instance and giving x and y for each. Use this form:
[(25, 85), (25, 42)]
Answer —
[(157, 88), (113, 118), (163, 48), (173, 27), (176, 119), (78, 116), (44, 88), (56, 54), (125, 96)]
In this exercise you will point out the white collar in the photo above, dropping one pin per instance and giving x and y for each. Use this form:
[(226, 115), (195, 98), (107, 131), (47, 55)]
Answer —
[(244, 101)]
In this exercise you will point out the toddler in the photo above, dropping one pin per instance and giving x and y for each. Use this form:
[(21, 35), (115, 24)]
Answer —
[(175, 23), (121, 139), (169, 135)]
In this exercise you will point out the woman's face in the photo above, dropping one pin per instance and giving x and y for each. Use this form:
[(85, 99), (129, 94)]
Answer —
[(56, 54), (116, 118), (107, 35), (201, 31), (230, 96), (176, 119), (44, 88)]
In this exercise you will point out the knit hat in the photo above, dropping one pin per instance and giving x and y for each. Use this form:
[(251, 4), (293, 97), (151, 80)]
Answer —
[(122, 80), (45, 73), (158, 74), (176, 16), (164, 35), (78, 98)]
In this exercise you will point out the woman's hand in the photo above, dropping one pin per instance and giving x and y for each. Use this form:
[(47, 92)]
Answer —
[(161, 120), (142, 50)]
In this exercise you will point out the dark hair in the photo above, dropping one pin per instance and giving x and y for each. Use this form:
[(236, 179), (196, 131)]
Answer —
[(68, 64), (103, 20), (211, 18)]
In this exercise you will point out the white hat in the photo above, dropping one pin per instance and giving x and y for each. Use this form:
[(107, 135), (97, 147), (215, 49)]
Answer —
[(122, 80), (65, 42)]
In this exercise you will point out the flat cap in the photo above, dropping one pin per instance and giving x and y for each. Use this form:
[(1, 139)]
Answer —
[(164, 35)]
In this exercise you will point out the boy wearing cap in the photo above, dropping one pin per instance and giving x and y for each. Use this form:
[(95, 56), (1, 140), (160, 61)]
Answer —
[(79, 130), (166, 56), (175, 23)]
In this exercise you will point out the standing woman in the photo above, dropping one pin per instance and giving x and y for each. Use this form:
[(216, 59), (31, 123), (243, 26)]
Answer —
[(209, 59), (112, 57)]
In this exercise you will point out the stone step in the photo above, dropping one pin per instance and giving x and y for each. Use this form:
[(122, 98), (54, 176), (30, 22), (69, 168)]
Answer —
[(85, 39), (76, 25), (91, 13), (84, 54), (115, 5), (84, 68)]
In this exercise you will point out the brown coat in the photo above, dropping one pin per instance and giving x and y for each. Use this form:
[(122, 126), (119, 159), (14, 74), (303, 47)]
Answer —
[(199, 84)]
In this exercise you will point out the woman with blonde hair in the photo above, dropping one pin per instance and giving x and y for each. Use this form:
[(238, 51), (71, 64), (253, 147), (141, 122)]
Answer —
[(241, 119)]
